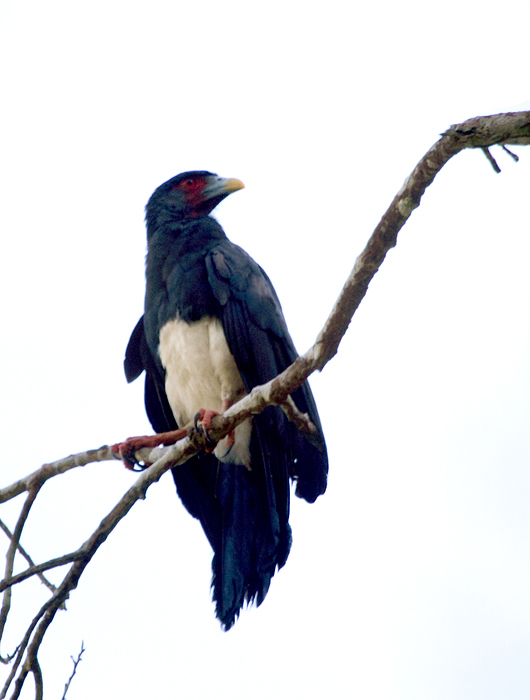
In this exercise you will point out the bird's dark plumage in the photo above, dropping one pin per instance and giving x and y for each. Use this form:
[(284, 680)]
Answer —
[(213, 329)]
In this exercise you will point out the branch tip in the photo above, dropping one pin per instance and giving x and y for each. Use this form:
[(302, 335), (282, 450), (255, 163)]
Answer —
[(76, 664), (491, 159), (512, 155)]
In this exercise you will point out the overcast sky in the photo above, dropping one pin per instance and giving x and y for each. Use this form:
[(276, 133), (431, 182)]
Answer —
[(410, 578)]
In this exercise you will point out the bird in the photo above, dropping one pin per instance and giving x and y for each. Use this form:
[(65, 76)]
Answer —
[(212, 329)]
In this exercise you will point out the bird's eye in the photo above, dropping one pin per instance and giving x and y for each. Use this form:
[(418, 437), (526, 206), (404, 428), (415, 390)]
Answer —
[(189, 183)]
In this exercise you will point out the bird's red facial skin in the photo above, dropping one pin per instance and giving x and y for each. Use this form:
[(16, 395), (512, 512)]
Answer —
[(192, 188)]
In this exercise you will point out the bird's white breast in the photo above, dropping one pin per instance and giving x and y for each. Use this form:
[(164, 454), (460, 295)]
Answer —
[(201, 373)]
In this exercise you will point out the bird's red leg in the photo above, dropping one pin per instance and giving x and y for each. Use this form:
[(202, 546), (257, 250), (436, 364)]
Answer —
[(127, 448)]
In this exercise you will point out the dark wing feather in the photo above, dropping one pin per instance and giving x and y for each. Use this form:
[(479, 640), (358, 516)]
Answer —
[(135, 355), (258, 338), (138, 358)]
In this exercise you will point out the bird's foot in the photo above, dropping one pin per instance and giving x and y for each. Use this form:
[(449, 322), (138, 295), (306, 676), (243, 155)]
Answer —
[(203, 422), (127, 449)]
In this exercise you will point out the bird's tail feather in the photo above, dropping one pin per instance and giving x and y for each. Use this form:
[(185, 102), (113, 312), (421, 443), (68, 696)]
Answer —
[(253, 543)]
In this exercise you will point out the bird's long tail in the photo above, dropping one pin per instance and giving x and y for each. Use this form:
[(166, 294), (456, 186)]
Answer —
[(254, 541)]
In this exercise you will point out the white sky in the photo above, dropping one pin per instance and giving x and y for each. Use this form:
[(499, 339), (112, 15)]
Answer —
[(410, 578)]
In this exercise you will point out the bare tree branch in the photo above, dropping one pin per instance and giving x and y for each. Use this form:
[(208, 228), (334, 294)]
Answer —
[(18, 656), (47, 471), (479, 132), (37, 675), (38, 569), (10, 557)]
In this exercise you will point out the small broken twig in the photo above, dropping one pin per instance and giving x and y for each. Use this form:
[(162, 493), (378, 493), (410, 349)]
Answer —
[(513, 155), (491, 159)]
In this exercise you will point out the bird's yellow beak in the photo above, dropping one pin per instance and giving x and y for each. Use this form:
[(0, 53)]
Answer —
[(231, 184)]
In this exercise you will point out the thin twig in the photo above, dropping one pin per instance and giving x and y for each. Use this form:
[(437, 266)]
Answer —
[(36, 569), (301, 420), (76, 664), (491, 159), (513, 155)]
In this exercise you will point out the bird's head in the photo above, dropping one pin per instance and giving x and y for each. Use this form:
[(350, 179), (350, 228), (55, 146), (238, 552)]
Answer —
[(192, 194)]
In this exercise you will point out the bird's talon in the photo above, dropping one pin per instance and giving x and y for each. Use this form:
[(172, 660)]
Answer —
[(139, 468), (126, 451)]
